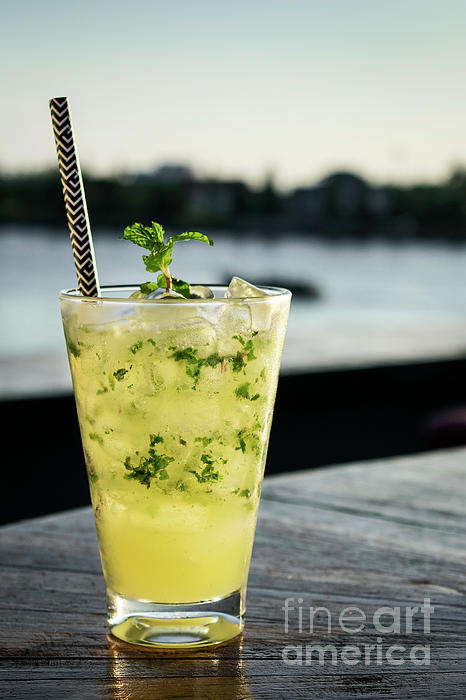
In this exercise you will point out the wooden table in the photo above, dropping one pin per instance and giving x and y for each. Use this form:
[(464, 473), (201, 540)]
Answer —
[(388, 533)]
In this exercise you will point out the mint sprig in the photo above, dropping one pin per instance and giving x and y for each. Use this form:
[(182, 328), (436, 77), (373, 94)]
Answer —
[(160, 257)]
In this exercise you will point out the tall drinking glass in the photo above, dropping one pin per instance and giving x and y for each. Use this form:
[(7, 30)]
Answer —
[(175, 402)]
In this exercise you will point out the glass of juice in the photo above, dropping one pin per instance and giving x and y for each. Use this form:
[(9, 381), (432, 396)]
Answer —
[(175, 400)]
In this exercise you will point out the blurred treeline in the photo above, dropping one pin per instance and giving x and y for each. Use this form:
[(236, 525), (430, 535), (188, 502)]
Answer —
[(341, 205)]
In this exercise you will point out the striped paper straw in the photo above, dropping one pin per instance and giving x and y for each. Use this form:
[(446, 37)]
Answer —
[(75, 199)]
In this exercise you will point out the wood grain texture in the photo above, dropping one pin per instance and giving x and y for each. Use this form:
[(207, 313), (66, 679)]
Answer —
[(387, 533)]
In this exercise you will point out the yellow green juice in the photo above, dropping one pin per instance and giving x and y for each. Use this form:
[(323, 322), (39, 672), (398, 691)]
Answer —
[(175, 402)]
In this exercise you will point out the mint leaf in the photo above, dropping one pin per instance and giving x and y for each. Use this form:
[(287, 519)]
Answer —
[(73, 348), (181, 287), (238, 362), (187, 354), (191, 236), (160, 253), (153, 466), (178, 285), (212, 360), (245, 493), (207, 475), (140, 235), (249, 350), (148, 287), (204, 440), (96, 437), (158, 232), (159, 258), (242, 392), (155, 439)]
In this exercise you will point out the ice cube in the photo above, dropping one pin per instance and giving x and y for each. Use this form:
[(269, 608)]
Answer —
[(199, 291), (260, 314), (239, 288), (233, 319)]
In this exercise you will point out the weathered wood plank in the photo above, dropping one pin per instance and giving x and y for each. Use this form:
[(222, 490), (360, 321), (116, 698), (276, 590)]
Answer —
[(389, 533), (402, 685)]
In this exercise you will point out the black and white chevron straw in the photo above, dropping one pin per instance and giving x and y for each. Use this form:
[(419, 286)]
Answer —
[(75, 200)]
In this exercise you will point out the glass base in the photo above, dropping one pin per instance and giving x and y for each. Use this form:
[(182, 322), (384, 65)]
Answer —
[(176, 626)]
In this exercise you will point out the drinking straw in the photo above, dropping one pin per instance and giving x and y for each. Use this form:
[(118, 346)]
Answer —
[(75, 199)]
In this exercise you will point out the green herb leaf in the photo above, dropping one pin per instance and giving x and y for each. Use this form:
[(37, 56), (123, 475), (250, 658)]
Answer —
[(160, 253), (204, 440), (143, 236), (155, 439), (206, 475), (249, 350), (178, 285), (137, 346), (120, 373), (158, 232), (148, 287), (242, 392), (149, 467), (238, 362), (191, 236), (187, 354), (73, 348), (181, 287), (96, 437), (159, 258), (213, 360)]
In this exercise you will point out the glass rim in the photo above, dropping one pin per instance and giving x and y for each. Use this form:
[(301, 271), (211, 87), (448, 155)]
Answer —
[(74, 294)]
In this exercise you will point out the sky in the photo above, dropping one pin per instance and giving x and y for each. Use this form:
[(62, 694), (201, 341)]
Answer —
[(295, 88)]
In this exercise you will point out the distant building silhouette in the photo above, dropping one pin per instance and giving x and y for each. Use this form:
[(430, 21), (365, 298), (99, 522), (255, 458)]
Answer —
[(346, 193), (342, 204), (214, 198), (339, 196), (379, 201), (307, 203)]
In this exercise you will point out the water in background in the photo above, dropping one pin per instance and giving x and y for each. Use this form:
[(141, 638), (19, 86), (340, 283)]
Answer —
[(380, 302)]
